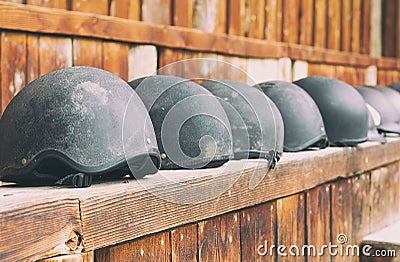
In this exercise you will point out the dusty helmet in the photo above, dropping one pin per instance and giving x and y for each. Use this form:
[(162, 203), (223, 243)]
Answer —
[(302, 120), (67, 125), (191, 127), (379, 102), (342, 108), (254, 125)]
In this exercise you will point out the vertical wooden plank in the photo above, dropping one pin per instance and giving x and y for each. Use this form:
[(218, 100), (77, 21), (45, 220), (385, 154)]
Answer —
[(134, 12), (256, 19), (54, 53), (365, 27), (355, 26), (219, 238), (318, 220), (119, 8), (151, 248), (184, 243), (320, 24), (236, 15), (341, 204), (371, 76), (306, 22), (381, 77), (183, 13), (142, 61), (290, 32), (291, 226), (210, 15), (95, 7), (258, 232), (391, 191), (115, 58), (61, 4), (300, 70), (157, 11), (13, 65), (273, 27), (376, 29), (87, 52), (346, 25), (360, 207), (334, 18), (32, 61), (389, 28)]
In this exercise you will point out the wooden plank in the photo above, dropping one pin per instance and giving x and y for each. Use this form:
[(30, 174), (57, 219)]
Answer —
[(290, 32), (346, 31), (389, 28), (157, 11), (150, 248), (361, 192), (87, 52), (365, 28), (258, 232), (13, 65), (184, 243), (371, 76), (83, 257), (32, 60), (61, 4), (391, 192), (134, 12), (236, 15), (273, 28), (355, 26), (320, 23), (341, 217), (142, 61), (183, 13), (334, 24), (115, 58), (219, 238), (34, 231), (256, 28), (306, 22), (285, 69), (54, 53), (300, 70), (120, 8), (94, 7), (376, 28), (291, 226), (318, 220), (210, 16)]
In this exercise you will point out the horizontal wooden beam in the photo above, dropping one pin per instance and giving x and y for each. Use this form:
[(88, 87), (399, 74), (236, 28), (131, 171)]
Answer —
[(33, 219), (56, 21)]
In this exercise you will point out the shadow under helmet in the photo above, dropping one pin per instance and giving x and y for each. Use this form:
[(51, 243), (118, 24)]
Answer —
[(343, 109), (255, 130), (191, 127), (380, 103), (302, 120), (67, 125)]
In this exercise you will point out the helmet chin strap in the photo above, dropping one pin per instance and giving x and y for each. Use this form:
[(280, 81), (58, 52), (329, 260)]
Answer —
[(76, 180)]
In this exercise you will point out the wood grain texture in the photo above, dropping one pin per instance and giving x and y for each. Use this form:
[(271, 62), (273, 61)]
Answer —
[(365, 28), (32, 60), (94, 7), (306, 22), (290, 32), (156, 11), (13, 65), (273, 20), (83, 257), (120, 8), (389, 15), (54, 53), (210, 15), (87, 52), (219, 238), (318, 221), (256, 19), (355, 26), (258, 232), (342, 216), (361, 192), (334, 24), (320, 23), (182, 13), (346, 25), (184, 243), (236, 15), (291, 227), (115, 58), (61, 4)]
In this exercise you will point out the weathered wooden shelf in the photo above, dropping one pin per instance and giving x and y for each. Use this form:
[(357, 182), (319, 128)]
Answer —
[(34, 221)]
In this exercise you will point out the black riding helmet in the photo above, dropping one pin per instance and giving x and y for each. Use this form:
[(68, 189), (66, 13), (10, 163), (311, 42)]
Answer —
[(255, 130), (303, 122), (380, 103), (191, 126), (67, 125), (342, 108)]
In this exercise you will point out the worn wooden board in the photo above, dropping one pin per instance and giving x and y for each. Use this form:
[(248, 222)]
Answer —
[(32, 61), (334, 24), (258, 232), (115, 58), (306, 22), (256, 19), (320, 23), (184, 243), (62, 4), (291, 226), (355, 26), (13, 65), (219, 238), (182, 13), (95, 7), (300, 69), (210, 15), (318, 221), (291, 13), (273, 20), (389, 45), (142, 61), (346, 26), (83, 257), (236, 15), (376, 29), (157, 11), (54, 53), (361, 192), (87, 52), (365, 27), (341, 215)]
